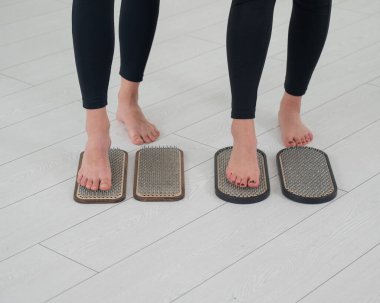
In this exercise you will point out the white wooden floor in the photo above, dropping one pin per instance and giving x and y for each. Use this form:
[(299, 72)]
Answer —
[(200, 249)]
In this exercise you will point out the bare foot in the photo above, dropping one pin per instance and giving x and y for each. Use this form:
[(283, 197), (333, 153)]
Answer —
[(243, 168), (140, 130), (95, 171), (293, 131)]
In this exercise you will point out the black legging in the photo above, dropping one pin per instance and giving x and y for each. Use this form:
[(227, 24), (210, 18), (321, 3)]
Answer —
[(248, 36), (94, 42)]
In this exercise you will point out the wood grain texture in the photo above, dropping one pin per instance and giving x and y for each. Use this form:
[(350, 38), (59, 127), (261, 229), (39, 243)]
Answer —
[(357, 283), (302, 258), (199, 249), (38, 274)]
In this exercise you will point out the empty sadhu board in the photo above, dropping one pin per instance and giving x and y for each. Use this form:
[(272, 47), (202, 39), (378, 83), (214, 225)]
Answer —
[(159, 174)]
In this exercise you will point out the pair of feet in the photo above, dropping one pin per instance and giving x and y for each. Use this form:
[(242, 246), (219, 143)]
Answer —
[(243, 168), (95, 171)]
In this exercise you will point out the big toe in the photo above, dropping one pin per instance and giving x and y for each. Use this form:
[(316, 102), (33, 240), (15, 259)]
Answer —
[(289, 142), (152, 136), (153, 133), (307, 138), (136, 138), (253, 182), (310, 135), (153, 129), (146, 138), (105, 184)]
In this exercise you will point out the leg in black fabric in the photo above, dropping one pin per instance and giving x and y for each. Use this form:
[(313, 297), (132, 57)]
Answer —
[(93, 37), (138, 20), (308, 30), (248, 36)]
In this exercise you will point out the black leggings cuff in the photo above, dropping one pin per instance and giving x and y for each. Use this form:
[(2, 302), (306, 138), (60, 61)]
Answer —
[(242, 114), (133, 77), (95, 103), (295, 91)]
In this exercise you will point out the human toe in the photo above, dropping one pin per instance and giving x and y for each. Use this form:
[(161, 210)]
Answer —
[(253, 182), (136, 139), (95, 184), (243, 182), (89, 183), (105, 184), (83, 181)]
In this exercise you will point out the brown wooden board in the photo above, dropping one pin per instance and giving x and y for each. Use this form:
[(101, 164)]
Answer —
[(159, 174)]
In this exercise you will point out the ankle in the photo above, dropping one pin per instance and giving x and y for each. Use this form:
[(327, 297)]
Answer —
[(97, 121), (128, 98), (99, 136), (243, 131), (100, 128), (98, 141), (128, 93), (290, 103)]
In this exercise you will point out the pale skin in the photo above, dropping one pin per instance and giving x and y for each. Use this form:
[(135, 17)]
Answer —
[(243, 169), (95, 171)]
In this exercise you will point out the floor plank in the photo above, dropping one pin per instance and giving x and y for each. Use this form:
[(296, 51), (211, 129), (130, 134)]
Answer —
[(32, 134), (32, 27), (27, 9), (38, 47), (10, 85), (357, 283), (41, 216), (38, 100), (366, 6), (38, 274), (196, 252), (304, 257), (360, 154), (376, 81)]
